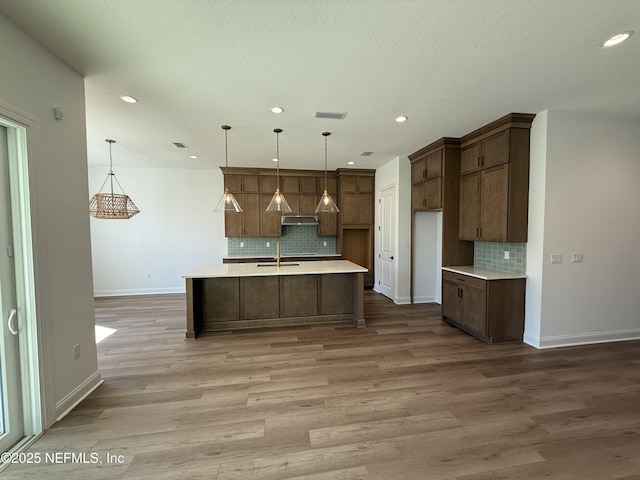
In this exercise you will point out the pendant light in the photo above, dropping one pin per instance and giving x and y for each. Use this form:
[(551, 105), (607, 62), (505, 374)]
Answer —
[(278, 203), (110, 205), (326, 203), (227, 202)]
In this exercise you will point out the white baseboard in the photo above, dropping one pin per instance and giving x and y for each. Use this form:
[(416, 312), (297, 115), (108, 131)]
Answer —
[(402, 300), (425, 299), (138, 291), (68, 403), (582, 338)]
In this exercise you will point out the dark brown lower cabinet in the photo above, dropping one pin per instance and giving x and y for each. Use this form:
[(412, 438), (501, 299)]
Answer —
[(491, 310), (230, 303)]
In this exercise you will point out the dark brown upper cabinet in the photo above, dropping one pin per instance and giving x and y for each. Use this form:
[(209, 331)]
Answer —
[(494, 181)]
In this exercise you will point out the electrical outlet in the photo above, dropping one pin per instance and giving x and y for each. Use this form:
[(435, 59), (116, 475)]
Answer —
[(556, 258), (241, 244), (148, 275), (268, 244), (577, 258), (324, 244), (506, 254), (76, 351)]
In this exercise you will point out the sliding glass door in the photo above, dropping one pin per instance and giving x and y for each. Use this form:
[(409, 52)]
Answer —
[(11, 413)]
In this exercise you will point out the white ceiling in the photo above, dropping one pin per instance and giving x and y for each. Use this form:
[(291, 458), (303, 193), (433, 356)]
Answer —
[(451, 66)]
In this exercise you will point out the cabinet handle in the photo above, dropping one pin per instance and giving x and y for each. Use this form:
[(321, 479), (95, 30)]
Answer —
[(480, 232), (481, 160), (478, 161), (477, 232), (461, 293)]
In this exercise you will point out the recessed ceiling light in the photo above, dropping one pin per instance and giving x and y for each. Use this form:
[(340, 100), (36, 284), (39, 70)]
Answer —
[(351, 163), (618, 38), (193, 156), (401, 118), (277, 109), (129, 99)]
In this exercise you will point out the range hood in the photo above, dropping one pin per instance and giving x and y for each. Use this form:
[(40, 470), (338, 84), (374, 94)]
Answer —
[(299, 220)]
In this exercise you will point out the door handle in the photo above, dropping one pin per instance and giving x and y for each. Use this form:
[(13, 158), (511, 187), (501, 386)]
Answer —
[(10, 326), (391, 257)]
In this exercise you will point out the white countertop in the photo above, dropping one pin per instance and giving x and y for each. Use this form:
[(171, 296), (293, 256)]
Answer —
[(483, 273), (284, 255), (286, 268)]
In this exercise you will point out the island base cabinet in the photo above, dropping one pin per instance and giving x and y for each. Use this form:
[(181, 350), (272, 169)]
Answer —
[(491, 310), (299, 296), (216, 304)]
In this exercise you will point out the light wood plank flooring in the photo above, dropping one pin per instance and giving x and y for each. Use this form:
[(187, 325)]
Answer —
[(407, 397)]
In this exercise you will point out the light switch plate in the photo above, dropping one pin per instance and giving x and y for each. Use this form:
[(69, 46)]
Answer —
[(577, 258), (506, 254), (556, 258)]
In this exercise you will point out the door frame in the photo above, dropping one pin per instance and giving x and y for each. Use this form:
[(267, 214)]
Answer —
[(23, 132)]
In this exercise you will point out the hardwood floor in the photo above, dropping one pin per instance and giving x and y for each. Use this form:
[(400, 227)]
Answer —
[(407, 397)]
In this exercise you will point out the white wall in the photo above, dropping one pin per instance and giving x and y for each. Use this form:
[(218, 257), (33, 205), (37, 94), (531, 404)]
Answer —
[(427, 257), (589, 181), (397, 172), (32, 82), (175, 232)]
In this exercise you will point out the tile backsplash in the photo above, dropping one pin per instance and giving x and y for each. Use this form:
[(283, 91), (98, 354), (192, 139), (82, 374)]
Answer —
[(294, 239), (491, 255)]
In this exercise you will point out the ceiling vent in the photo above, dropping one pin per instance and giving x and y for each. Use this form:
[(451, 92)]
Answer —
[(366, 154), (179, 144), (330, 115)]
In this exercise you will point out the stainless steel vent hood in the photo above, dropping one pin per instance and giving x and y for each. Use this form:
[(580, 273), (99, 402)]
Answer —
[(299, 220)]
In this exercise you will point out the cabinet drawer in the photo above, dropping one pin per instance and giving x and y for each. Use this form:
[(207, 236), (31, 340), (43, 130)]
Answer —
[(464, 280)]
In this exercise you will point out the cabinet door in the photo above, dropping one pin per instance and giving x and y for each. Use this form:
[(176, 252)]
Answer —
[(418, 196), (251, 212), (331, 186), (470, 158), (308, 185), (366, 184), (348, 184), (433, 193), (234, 184), (307, 203), (289, 185), (494, 194), (327, 224), (348, 208), (250, 183), (270, 222), (365, 209), (495, 149), (233, 221), (246, 223), (434, 164), (451, 303), (418, 170), (474, 303), (469, 206)]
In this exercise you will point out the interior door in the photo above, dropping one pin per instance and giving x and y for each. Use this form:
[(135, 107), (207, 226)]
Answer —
[(386, 284), (11, 420)]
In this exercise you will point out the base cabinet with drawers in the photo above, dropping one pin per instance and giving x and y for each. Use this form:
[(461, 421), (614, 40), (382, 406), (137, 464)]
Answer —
[(491, 310)]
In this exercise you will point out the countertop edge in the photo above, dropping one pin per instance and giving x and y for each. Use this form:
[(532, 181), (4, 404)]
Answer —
[(314, 267), (484, 273)]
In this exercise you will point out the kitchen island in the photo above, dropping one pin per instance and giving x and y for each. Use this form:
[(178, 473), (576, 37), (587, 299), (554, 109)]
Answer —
[(252, 295)]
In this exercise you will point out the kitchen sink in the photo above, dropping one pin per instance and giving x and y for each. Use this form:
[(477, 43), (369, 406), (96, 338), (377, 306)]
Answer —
[(282, 264)]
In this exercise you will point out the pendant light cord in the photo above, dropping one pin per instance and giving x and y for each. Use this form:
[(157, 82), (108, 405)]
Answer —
[(325, 163), (277, 130), (226, 128)]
